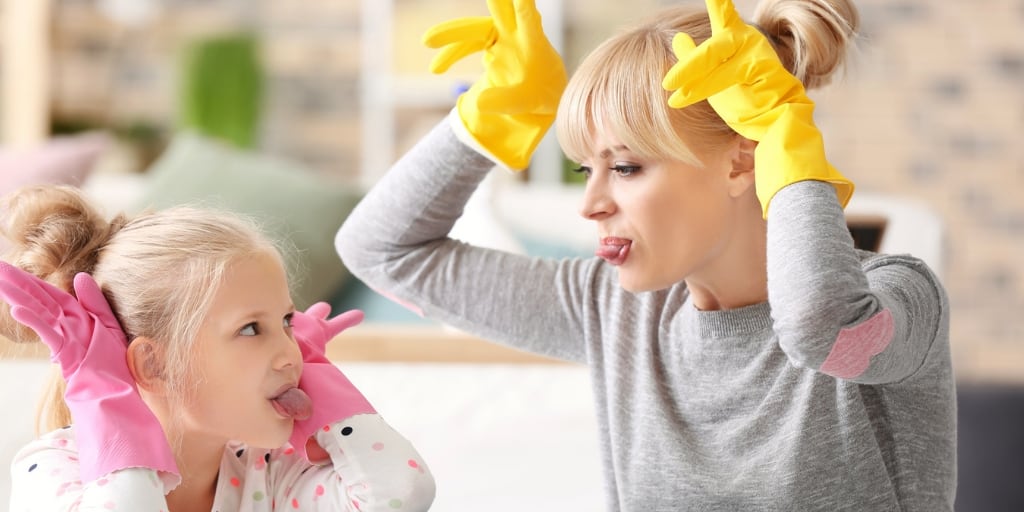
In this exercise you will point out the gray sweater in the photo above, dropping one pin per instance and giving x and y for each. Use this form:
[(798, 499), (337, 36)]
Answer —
[(835, 394)]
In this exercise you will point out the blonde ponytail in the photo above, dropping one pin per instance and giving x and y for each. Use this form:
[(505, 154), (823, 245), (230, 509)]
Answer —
[(811, 37)]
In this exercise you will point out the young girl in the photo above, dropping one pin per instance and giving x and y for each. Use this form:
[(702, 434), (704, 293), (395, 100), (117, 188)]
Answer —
[(744, 355), (198, 387)]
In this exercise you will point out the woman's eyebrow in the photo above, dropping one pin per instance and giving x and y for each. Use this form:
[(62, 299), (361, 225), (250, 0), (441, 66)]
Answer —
[(615, 149)]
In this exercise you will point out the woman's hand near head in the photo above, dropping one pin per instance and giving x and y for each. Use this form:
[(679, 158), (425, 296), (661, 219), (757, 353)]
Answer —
[(738, 71), (512, 106), (114, 428)]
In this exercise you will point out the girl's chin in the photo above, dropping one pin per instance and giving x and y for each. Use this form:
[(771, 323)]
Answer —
[(266, 444), (269, 440)]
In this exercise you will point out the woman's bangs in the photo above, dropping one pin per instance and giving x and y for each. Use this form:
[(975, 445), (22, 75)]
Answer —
[(615, 93)]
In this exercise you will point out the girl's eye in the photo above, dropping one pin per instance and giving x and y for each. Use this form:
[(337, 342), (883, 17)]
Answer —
[(584, 170), (625, 170), (250, 329), (288, 320)]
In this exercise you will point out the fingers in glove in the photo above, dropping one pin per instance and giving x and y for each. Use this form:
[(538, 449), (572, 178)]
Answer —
[(93, 301), (702, 71), (722, 14), (457, 39), (343, 321), (320, 310), (451, 54), (527, 16), (19, 288), (43, 326), (38, 305), (460, 30), (504, 14)]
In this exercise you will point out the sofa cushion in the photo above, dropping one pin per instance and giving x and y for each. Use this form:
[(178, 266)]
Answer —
[(294, 205), (65, 160)]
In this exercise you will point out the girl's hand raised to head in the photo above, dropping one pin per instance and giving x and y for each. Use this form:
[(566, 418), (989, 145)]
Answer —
[(511, 107), (114, 429), (738, 71), (333, 396)]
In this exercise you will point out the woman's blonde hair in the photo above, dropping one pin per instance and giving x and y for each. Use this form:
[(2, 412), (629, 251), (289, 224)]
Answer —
[(159, 271), (618, 88)]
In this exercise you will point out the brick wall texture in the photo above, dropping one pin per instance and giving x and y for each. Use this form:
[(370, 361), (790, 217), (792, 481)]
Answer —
[(932, 109)]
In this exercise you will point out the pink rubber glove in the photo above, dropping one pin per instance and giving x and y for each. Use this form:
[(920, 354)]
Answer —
[(114, 429), (333, 396)]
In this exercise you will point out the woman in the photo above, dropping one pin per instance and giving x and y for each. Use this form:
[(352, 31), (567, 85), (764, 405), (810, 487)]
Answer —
[(744, 355)]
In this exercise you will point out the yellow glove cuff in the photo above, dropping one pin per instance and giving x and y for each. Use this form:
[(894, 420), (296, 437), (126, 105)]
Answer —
[(792, 150)]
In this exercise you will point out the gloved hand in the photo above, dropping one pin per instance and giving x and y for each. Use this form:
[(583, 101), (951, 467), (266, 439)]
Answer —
[(114, 428), (510, 108), (741, 76), (334, 398)]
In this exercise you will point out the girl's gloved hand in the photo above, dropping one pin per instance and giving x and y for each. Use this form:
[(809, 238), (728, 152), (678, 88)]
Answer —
[(333, 396), (114, 428), (741, 76), (511, 107)]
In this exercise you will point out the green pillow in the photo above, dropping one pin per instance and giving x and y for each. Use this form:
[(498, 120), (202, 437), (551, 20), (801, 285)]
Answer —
[(293, 204)]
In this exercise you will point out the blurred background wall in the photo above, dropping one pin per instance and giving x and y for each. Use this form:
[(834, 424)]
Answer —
[(932, 108)]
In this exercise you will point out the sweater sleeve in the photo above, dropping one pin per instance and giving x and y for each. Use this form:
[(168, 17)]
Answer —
[(396, 241), (372, 468), (872, 321), (45, 476)]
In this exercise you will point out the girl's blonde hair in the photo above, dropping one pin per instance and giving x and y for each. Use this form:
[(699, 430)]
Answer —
[(159, 271), (618, 86)]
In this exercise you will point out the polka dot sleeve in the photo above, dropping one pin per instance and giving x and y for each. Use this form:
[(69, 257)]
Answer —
[(372, 468), (45, 477)]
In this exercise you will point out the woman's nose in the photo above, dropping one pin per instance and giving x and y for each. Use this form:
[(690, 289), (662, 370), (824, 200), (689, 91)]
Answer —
[(597, 203)]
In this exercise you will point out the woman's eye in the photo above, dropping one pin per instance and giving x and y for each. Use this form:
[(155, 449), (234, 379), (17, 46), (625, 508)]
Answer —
[(288, 320), (250, 329), (625, 170), (584, 170)]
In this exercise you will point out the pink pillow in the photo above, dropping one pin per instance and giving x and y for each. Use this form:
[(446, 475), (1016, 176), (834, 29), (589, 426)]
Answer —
[(65, 160)]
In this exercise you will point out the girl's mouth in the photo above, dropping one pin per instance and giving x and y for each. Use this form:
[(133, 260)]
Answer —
[(292, 403), (614, 250)]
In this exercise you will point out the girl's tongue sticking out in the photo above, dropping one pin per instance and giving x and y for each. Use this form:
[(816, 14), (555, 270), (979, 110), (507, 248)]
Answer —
[(293, 403)]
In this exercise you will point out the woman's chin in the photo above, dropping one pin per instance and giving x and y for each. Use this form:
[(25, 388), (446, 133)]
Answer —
[(633, 285)]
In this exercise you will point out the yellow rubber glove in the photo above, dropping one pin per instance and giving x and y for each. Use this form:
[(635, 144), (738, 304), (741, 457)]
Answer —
[(512, 106), (741, 76)]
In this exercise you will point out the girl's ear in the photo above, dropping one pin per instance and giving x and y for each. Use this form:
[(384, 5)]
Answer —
[(741, 177), (145, 362)]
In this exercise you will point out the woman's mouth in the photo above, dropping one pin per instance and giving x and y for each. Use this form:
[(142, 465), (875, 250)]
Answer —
[(614, 250)]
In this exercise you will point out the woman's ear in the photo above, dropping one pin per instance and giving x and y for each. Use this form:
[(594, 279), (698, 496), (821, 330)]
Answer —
[(145, 362), (741, 177)]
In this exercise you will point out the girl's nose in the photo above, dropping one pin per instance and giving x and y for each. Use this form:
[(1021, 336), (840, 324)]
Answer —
[(289, 354)]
